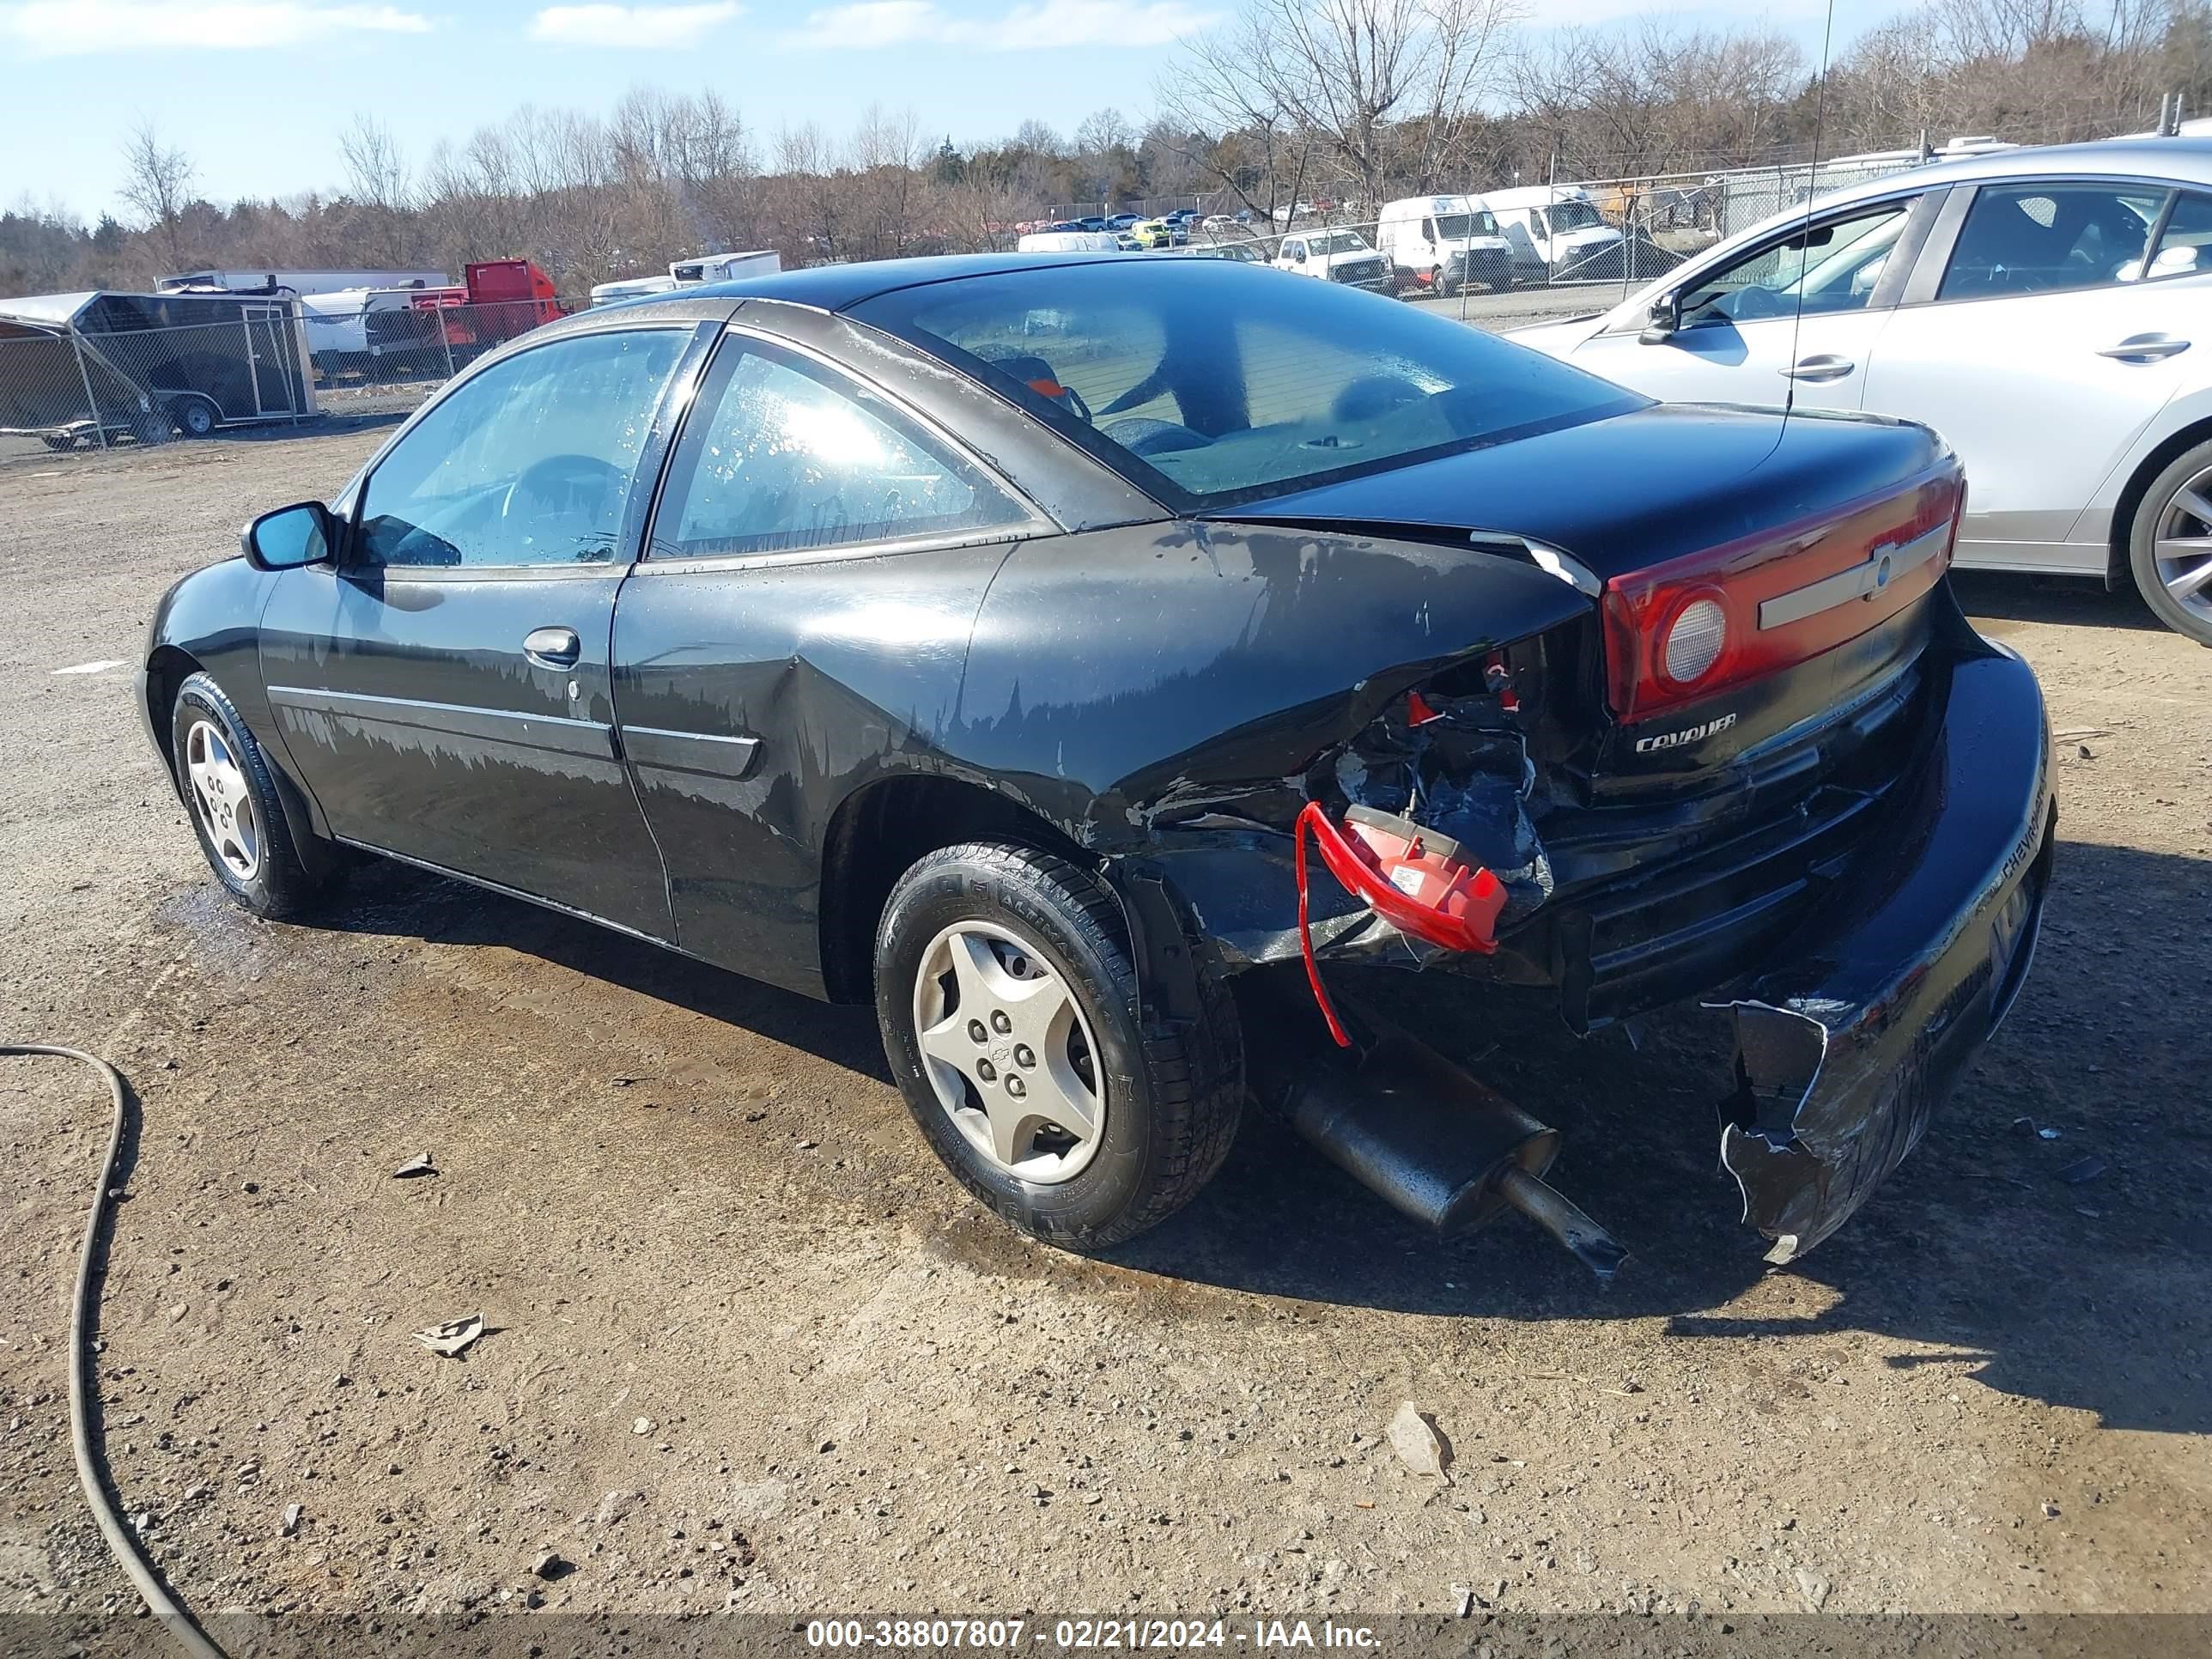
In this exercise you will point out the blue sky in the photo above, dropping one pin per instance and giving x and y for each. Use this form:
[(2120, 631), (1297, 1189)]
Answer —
[(257, 91)]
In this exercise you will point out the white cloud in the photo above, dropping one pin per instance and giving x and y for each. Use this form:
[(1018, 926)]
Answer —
[(58, 27), (630, 26), (1040, 25)]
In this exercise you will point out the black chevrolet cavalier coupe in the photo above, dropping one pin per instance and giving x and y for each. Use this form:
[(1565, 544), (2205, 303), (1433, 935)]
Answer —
[(1067, 652)]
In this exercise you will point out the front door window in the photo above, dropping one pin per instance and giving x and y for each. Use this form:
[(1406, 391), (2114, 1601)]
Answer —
[(1828, 268), (530, 462)]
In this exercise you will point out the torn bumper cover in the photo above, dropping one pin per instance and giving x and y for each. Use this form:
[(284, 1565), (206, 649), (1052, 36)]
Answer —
[(1897, 980)]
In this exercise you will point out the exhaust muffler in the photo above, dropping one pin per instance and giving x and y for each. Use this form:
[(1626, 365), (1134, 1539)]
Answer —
[(1415, 1129)]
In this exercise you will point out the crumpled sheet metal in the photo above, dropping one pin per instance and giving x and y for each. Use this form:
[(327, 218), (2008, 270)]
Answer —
[(1821, 1139), (1844, 1051)]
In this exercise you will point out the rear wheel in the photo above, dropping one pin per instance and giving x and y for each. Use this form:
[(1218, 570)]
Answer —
[(2170, 551), (1009, 1008), (232, 796)]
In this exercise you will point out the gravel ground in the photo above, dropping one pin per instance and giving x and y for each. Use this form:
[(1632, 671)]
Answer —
[(750, 1347)]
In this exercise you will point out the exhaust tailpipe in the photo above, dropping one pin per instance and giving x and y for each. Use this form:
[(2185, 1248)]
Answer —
[(1415, 1129)]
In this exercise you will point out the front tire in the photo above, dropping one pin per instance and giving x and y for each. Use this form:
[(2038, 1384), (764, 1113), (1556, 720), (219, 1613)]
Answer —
[(2170, 546), (1009, 1006), (231, 794)]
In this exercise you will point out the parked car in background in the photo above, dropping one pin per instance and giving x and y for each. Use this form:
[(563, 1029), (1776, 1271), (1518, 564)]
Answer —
[(2047, 311), (1247, 253), (1337, 256), (1221, 224), (1441, 244), (1091, 222), (1556, 232), (1152, 233), (1123, 220)]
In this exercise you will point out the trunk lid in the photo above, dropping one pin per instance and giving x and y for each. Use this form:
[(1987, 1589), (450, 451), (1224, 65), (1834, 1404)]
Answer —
[(1817, 539)]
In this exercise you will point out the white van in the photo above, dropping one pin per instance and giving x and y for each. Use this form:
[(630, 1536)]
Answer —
[(1444, 243), (1069, 241), (726, 267), (1556, 230)]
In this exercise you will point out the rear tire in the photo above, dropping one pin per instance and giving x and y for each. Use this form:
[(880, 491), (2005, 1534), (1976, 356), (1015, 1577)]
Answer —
[(2174, 581), (1161, 1100), (231, 795)]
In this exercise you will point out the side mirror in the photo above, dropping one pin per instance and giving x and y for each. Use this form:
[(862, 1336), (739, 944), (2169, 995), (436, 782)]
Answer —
[(1666, 318), (289, 538)]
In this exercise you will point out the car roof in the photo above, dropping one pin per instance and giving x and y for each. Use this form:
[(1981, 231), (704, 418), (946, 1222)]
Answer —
[(2183, 160), (840, 287), (2178, 160)]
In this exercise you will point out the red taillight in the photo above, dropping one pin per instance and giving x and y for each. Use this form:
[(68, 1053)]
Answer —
[(1696, 625)]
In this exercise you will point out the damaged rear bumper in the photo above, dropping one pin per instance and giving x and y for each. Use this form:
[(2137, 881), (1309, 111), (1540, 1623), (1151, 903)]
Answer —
[(1898, 977), (1857, 996)]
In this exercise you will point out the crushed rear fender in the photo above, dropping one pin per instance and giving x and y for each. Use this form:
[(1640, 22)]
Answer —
[(1895, 982)]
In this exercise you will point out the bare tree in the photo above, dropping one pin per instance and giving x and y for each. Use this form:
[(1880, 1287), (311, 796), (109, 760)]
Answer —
[(1234, 124), (158, 182), (1374, 94), (376, 171)]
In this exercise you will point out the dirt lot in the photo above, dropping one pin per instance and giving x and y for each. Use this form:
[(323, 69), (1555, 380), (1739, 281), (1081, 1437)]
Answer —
[(751, 1347)]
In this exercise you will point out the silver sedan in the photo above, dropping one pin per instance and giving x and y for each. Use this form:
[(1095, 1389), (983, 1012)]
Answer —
[(2049, 310)]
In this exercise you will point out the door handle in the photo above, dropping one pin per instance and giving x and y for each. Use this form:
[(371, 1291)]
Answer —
[(552, 648), (2146, 348), (1826, 365)]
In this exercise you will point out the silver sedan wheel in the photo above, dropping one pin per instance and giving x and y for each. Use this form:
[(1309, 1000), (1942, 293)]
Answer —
[(2183, 553), (221, 801), (1009, 1052)]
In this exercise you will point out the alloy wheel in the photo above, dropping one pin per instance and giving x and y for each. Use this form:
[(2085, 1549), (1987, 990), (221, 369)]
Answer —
[(221, 801), (1008, 1053), (2181, 554)]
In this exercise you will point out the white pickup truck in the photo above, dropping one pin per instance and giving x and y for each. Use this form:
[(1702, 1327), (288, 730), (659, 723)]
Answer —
[(1336, 256)]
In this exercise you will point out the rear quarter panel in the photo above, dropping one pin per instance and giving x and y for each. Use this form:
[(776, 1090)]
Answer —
[(1115, 674)]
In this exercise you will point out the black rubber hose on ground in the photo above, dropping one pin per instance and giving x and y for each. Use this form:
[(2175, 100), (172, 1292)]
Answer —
[(84, 1318)]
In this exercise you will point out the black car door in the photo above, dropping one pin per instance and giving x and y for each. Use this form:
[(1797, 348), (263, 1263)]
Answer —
[(444, 689), (797, 629)]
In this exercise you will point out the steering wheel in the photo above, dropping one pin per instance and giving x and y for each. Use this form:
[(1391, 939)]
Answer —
[(1373, 396), (1749, 309), (1142, 436), (565, 483)]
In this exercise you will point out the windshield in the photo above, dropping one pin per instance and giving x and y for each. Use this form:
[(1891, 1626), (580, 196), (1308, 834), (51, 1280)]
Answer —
[(1207, 384), (1572, 215), (1340, 242), (1458, 227)]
